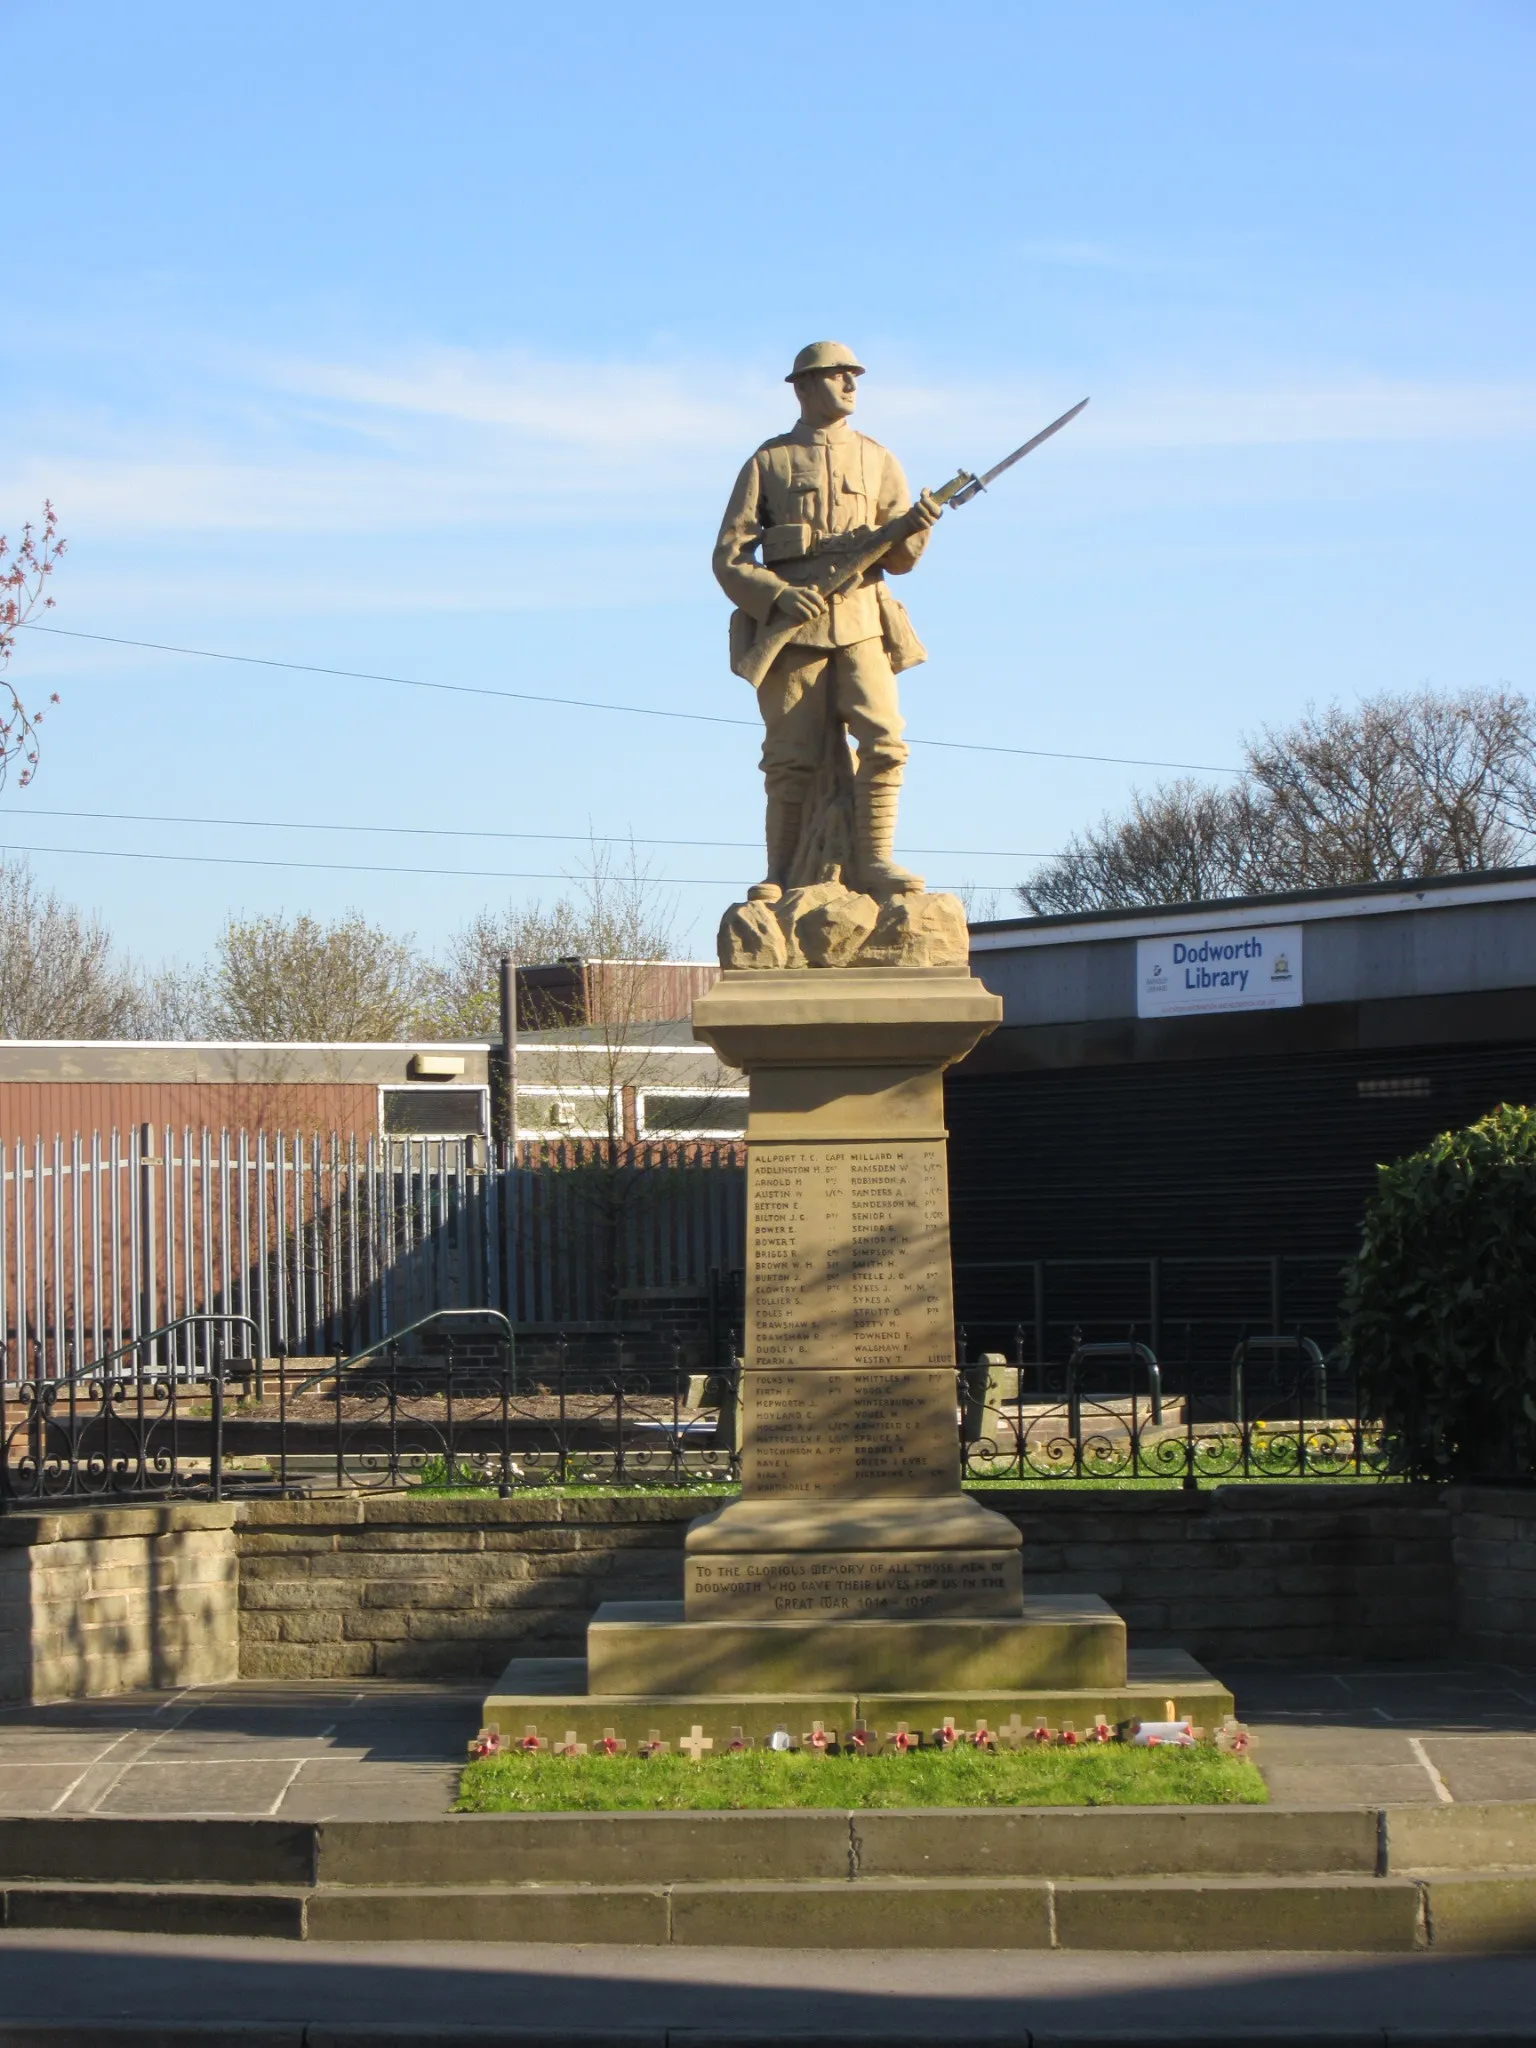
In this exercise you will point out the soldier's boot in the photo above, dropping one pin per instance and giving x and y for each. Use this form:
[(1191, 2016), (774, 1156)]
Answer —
[(784, 815), (874, 806)]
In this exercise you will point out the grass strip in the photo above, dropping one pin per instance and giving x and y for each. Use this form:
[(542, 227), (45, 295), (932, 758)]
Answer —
[(1112, 1775)]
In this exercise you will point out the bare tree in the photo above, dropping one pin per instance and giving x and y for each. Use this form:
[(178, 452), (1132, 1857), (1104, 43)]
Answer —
[(58, 976), (1185, 843), (467, 984), (24, 573), (621, 925), (979, 904), (618, 922), (277, 978), (1397, 788), (172, 1002)]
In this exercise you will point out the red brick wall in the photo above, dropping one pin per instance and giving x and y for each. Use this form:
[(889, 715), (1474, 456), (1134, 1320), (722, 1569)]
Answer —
[(49, 1109)]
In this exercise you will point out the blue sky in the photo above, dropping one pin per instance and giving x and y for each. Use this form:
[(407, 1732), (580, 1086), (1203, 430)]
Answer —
[(427, 342)]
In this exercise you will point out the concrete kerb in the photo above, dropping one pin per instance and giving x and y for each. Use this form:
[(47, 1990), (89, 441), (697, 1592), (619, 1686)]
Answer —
[(97, 1849), (612, 1848), (804, 1845)]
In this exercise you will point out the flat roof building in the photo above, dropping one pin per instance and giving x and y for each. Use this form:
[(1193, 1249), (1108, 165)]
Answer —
[(1186, 1105)]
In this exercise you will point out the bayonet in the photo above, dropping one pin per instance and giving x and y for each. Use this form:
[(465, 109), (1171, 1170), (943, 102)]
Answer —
[(962, 488), (841, 564)]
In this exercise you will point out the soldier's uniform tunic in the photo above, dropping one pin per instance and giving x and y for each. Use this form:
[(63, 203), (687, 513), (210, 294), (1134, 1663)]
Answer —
[(798, 491)]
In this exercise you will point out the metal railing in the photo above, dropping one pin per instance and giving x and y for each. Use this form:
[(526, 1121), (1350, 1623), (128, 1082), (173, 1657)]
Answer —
[(467, 1400), (1279, 1408), (459, 1400)]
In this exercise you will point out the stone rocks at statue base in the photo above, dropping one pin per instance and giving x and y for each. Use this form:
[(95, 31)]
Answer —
[(794, 907), (918, 930), (831, 934), (828, 924), (751, 936)]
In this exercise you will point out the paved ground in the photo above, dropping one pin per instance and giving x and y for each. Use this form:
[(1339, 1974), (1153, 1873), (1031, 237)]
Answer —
[(1357, 1738), (611, 1994), (307, 1752)]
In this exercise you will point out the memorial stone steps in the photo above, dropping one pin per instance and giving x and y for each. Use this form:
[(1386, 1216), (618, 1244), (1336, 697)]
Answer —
[(1459, 1878)]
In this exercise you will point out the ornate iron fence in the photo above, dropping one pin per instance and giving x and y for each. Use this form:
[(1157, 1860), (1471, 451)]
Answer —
[(1277, 1407), (464, 1400), (458, 1400)]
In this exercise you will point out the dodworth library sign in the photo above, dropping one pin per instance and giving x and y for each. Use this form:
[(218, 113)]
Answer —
[(1186, 975)]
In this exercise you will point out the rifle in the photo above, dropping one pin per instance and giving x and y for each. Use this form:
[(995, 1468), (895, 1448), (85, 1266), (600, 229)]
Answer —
[(840, 563)]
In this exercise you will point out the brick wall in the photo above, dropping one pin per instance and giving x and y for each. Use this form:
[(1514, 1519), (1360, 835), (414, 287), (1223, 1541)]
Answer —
[(96, 1601)]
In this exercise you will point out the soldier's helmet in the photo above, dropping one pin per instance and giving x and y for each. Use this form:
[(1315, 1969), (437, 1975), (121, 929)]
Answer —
[(825, 355)]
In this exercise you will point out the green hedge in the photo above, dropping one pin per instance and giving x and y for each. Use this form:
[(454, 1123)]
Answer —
[(1440, 1303)]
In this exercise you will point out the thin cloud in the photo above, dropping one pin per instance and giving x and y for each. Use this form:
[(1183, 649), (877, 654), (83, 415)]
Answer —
[(564, 405), (452, 441)]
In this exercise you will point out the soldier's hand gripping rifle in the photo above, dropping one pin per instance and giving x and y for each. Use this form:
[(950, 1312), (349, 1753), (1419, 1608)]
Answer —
[(840, 562)]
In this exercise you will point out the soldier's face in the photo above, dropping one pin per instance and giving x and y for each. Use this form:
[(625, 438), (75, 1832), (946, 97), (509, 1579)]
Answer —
[(827, 395)]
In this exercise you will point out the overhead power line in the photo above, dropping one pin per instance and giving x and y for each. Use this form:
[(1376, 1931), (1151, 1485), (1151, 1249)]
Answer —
[(355, 675), (466, 832), (337, 867)]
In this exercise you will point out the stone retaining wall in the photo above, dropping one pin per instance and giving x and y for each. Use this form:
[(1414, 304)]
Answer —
[(397, 1587), (1494, 1549), (104, 1600), (394, 1586), (1255, 1573)]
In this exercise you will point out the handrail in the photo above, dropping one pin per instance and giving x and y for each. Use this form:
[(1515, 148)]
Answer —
[(438, 1315), (151, 1336), (1133, 1353), (1273, 1343)]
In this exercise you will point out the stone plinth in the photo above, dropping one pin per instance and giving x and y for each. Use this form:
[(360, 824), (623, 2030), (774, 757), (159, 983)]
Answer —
[(861, 1558), (1056, 1643), (851, 1516)]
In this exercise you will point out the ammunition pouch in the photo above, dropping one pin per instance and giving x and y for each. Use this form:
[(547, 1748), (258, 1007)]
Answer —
[(902, 646), (787, 543), (743, 638)]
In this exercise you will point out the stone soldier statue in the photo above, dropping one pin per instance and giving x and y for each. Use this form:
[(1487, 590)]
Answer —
[(818, 491)]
